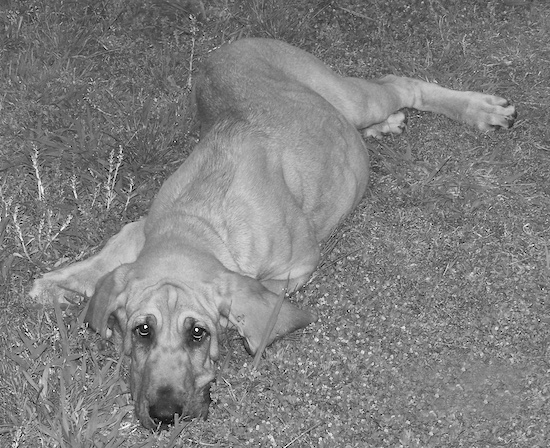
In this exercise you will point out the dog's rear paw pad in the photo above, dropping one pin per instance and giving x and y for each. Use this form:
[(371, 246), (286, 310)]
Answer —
[(394, 124), (492, 112)]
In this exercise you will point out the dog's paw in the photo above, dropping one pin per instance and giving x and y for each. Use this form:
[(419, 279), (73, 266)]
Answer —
[(46, 292), (394, 124), (488, 112)]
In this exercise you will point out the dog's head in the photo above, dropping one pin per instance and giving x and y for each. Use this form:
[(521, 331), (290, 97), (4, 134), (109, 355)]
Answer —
[(171, 322)]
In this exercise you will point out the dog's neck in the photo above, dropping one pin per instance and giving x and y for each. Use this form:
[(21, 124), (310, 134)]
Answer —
[(187, 235), (190, 256)]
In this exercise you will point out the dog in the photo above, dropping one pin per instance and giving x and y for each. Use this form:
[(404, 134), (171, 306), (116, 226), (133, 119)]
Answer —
[(280, 163)]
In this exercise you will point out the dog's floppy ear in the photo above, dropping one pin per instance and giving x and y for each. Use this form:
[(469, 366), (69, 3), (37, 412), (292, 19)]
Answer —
[(250, 308), (108, 302)]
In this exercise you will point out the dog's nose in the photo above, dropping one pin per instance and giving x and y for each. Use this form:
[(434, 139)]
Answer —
[(166, 406)]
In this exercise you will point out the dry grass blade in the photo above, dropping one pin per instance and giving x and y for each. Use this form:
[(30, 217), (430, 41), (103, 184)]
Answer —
[(299, 436), (268, 330)]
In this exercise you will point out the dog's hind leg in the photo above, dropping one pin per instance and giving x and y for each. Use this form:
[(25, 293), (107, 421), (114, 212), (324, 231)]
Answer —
[(81, 277), (373, 105)]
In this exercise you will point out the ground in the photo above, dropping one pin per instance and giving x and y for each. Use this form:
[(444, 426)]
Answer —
[(432, 297)]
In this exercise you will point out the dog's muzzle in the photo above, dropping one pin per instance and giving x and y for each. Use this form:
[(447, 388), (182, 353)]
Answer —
[(167, 404)]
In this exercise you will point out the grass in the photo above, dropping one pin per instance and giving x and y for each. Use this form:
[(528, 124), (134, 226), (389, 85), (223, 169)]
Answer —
[(433, 296)]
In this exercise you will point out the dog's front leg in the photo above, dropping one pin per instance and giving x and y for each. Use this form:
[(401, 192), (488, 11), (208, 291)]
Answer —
[(82, 277)]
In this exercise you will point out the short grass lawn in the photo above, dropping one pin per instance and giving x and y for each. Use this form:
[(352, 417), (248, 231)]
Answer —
[(433, 297)]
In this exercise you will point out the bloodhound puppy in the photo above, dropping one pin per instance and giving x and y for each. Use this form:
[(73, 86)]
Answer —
[(280, 163)]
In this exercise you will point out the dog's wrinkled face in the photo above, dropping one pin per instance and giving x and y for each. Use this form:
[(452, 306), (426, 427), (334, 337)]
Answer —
[(173, 348), (171, 323)]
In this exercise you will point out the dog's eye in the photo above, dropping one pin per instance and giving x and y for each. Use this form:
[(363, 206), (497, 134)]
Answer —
[(143, 331), (198, 333)]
